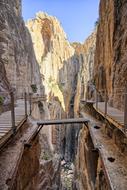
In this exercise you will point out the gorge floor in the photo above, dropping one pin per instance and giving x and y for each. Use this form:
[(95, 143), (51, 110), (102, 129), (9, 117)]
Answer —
[(67, 175)]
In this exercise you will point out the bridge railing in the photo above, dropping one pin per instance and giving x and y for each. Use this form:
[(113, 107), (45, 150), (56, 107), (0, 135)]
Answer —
[(121, 93), (18, 99), (9, 102)]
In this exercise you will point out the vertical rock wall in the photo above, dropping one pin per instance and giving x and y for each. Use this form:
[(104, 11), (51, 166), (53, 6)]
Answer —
[(85, 53), (27, 176), (55, 56), (59, 66), (110, 57), (16, 49)]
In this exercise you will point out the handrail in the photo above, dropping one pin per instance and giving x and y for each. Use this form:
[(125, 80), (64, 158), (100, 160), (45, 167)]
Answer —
[(13, 112), (12, 102), (104, 94)]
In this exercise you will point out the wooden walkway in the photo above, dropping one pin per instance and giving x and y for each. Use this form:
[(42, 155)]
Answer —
[(6, 124), (114, 115)]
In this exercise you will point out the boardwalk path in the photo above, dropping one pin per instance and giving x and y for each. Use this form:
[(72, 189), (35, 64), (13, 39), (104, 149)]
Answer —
[(114, 115), (5, 121)]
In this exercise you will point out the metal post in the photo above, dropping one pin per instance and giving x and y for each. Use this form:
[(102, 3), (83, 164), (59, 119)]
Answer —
[(30, 102), (125, 108), (25, 101), (13, 112), (106, 102), (96, 99)]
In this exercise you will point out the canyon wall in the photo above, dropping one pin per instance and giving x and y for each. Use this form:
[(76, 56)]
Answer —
[(27, 177), (109, 72), (16, 49), (85, 53), (84, 162), (110, 57), (66, 69), (59, 67), (55, 56)]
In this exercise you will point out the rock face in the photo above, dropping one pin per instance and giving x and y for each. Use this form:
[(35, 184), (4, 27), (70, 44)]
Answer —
[(109, 73), (50, 174), (27, 177), (85, 54), (16, 50), (81, 173), (110, 57), (66, 70), (59, 66), (55, 56)]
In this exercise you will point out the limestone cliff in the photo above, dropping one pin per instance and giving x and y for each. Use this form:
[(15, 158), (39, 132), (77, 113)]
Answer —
[(110, 59), (85, 54), (59, 67), (16, 50), (66, 69), (55, 56)]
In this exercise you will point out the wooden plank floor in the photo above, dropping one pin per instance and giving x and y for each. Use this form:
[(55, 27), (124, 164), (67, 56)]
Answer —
[(5, 121), (114, 115)]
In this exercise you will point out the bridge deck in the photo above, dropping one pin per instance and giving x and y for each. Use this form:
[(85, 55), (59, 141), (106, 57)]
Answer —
[(62, 121), (5, 121), (114, 115)]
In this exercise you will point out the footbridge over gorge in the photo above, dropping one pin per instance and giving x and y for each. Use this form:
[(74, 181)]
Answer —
[(61, 122), (12, 121)]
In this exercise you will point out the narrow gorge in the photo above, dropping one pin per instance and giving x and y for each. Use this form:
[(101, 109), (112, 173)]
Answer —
[(46, 78)]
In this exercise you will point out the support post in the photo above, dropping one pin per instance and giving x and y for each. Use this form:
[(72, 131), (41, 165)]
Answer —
[(106, 103), (125, 108), (96, 99), (25, 101), (13, 112), (30, 102)]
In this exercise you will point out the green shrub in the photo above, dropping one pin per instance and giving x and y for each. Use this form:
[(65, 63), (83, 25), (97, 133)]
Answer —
[(34, 88), (51, 80), (96, 23), (1, 100), (45, 156), (60, 87)]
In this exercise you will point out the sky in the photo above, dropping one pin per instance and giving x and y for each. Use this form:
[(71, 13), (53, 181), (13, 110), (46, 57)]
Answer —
[(77, 17)]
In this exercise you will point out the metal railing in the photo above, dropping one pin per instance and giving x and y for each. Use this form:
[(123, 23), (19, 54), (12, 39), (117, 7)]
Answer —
[(21, 97), (9, 99), (103, 95)]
